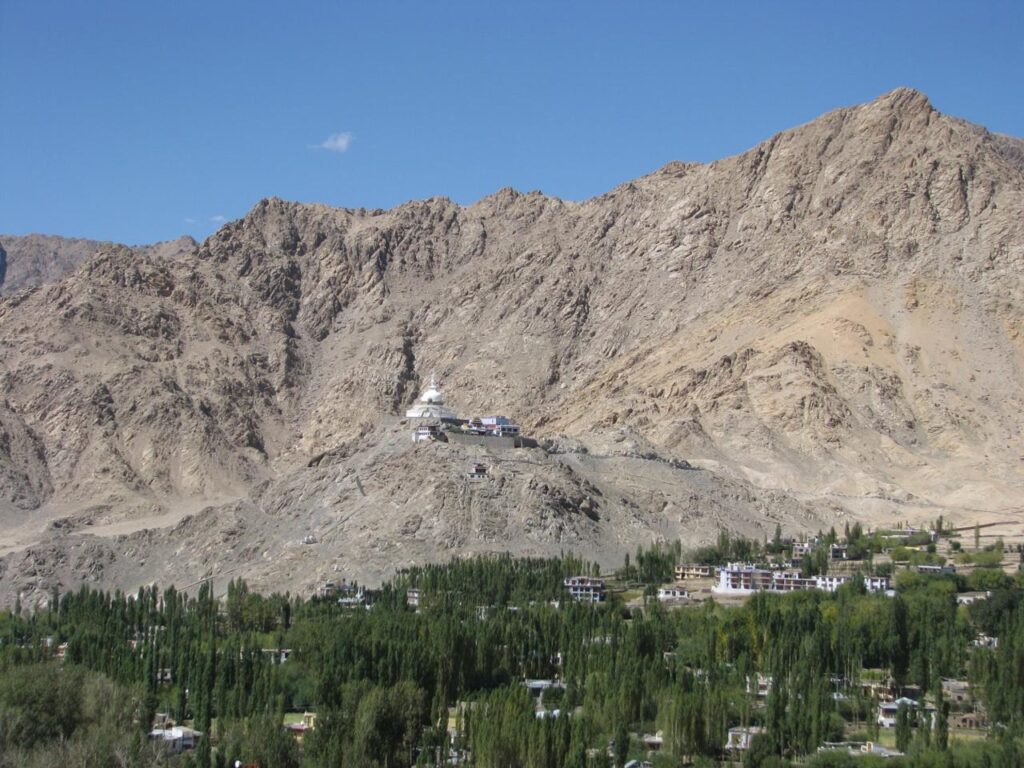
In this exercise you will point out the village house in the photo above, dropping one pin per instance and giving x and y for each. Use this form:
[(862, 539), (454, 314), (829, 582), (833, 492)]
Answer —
[(326, 590), (888, 711), (838, 552), (537, 687), (176, 739), (878, 683), (985, 641), (937, 570), (972, 721), (354, 600), (759, 686), (585, 589), (802, 549), (969, 598), (877, 583), (956, 691), (692, 571), (425, 433), (298, 730), (653, 742), (739, 739), (412, 598), (277, 655)]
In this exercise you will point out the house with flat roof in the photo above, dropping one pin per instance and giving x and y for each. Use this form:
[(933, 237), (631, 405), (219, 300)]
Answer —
[(695, 571), (739, 739), (585, 589), (176, 739), (888, 711)]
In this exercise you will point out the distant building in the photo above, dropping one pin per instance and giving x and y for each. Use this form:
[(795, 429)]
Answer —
[(425, 433), (739, 739), (354, 600), (889, 710), (802, 549), (838, 552), (692, 571), (956, 691), (936, 569), (745, 579), (298, 730), (759, 686), (277, 655), (547, 714), (500, 426), (412, 598), (176, 739), (537, 687), (653, 741), (877, 583), (974, 721), (969, 598), (585, 589), (327, 589)]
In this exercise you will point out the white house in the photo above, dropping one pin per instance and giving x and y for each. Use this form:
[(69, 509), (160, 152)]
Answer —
[(585, 589), (739, 739), (176, 739), (888, 711)]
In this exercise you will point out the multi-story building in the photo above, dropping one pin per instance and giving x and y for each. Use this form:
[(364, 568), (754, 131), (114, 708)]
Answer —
[(744, 578), (585, 589), (693, 571)]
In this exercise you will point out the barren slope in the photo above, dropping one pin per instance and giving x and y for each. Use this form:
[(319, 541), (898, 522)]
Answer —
[(30, 260), (827, 325)]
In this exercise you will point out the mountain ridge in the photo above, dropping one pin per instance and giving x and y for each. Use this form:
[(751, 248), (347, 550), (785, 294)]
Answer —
[(827, 326), (34, 259)]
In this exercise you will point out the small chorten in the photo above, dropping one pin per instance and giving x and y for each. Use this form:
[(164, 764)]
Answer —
[(431, 404)]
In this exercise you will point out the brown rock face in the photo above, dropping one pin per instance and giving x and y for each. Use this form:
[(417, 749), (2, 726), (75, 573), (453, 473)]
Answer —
[(827, 326), (30, 260)]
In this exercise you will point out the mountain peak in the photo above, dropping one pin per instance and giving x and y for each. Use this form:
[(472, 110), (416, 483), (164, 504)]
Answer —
[(905, 98)]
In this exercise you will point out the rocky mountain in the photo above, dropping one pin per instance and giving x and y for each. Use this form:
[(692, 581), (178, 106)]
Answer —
[(30, 260), (827, 327)]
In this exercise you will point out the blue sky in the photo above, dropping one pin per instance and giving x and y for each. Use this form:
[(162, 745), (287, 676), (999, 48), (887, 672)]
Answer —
[(140, 121)]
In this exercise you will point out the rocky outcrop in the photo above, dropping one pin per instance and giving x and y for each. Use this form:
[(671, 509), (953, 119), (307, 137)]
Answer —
[(30, 260)]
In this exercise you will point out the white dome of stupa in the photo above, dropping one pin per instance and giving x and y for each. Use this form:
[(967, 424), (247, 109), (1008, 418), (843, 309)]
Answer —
[(431, 404), (432, 394)]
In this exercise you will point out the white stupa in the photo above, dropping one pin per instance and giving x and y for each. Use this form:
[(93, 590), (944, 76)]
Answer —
[(430, 405)]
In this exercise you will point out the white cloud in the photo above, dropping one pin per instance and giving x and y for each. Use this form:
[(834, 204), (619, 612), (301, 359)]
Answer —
[(219, 218), (189, 220), (337, 142)]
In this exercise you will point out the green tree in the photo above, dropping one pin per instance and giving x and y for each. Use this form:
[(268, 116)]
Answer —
[(903, 728)]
